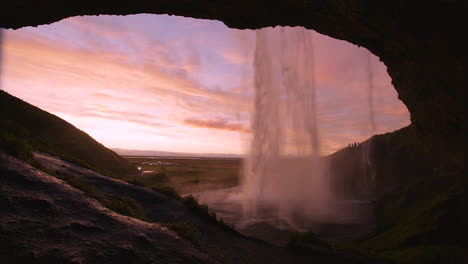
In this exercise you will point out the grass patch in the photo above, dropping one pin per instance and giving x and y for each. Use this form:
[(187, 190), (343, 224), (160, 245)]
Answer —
[(425, 222), (16, 146), (133, 180), (202, 210), (188, 175), (186, 230), (189, 232), (428, 254), (126, 206), (164, 189), (123, 205), (130, 207), (167, 190), (88, 189)]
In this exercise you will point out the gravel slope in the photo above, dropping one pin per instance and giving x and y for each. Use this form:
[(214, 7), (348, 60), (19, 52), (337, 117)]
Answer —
[(44, 220)]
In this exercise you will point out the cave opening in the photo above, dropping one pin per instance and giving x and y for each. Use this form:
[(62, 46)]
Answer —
[(161, 85), (415, 176), (219, 72)]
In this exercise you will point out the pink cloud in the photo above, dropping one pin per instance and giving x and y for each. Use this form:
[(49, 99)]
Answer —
[(217, 124)]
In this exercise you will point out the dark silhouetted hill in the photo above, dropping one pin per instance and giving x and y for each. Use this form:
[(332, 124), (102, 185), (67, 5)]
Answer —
[(25, 128)]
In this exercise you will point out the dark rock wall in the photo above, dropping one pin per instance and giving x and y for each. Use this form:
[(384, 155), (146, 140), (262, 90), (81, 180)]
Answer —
[(380, 165), (421, 42)]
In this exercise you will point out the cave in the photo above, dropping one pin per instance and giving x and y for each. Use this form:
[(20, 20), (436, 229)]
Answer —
[(420, 43)]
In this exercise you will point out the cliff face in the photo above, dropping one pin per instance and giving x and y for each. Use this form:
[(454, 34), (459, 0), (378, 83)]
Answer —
[(419, 208), (421, 42), (380, 165)]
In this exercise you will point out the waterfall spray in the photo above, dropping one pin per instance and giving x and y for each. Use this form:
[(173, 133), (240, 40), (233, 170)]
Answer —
[(283, 172), (367, 148), (370, 90)]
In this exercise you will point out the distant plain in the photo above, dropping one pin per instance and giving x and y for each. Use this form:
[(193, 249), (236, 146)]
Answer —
[(185, 174)]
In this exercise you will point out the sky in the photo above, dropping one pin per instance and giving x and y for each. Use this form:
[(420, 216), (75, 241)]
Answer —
[(167, 83)]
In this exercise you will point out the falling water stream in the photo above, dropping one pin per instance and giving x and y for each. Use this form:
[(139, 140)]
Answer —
[(283, 172), (286, 182)]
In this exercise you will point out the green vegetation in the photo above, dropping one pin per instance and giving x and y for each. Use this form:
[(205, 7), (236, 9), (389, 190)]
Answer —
[(126, 206), (203, 211), (172, 176), (25, 128), (167, 190), (186, 230), (133, 180), (130, 207), (189, 232), (122, 204), (425, 222), (164, 189), (186, 175), (175, 176), (12, 144)]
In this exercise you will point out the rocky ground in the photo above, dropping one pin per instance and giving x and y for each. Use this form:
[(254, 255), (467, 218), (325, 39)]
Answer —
[(45, 220)]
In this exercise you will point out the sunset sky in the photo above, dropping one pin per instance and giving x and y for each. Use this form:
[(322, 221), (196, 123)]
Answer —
[(157, 82)]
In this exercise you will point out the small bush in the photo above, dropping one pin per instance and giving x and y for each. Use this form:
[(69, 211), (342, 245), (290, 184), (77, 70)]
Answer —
[(123, 205), (202, 210), (126, 206), (167, 190), (134, 181), (192, 203), (16, 146), (199, 209)]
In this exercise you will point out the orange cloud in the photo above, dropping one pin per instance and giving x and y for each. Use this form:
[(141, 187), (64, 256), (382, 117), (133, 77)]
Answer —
[(217, 124)]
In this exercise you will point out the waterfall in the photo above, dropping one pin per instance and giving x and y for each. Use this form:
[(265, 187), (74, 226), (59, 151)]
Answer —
[(370, 90), (283, 172)]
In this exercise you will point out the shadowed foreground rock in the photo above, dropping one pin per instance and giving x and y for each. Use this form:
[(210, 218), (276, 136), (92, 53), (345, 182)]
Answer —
[(43, 220), (218, 241)]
